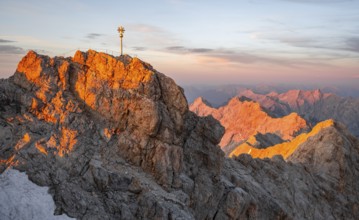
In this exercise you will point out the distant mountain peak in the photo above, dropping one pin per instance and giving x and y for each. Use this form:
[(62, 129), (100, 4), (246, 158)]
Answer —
[(313, 105), (243, 119), (201, 100)]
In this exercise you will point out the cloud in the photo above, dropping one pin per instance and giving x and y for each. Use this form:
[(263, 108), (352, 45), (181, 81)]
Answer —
[(6, 41), (342, 44), (145, 28), (207, 55), (9, 49), (250, 58), (304, 42), (151, 37), (176, 49), (93, 35), (139, 48), (200, 50), (181, 49), (225, 56), (353, 44)]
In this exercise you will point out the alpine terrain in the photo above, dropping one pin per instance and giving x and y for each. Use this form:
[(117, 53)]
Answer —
[(112, 138)]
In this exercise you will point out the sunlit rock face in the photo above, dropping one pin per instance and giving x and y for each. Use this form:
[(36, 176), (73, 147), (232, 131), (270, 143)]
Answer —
[(113, 138), (314, 106), (244, 120), (122, 95), (284, 149)]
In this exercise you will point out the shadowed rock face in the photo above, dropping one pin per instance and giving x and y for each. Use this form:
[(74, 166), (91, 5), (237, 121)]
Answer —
[(113, 139), (315, 179)]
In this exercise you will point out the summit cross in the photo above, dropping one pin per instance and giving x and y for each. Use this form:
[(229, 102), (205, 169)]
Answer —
[(121, 30)]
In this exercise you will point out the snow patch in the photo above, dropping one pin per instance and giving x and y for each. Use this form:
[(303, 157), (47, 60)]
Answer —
[(22, 199)]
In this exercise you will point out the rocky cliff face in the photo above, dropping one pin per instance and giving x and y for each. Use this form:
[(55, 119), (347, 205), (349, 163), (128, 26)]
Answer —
[(110, 136), (113, 138), (313, 183), (314, 106), (284, 149), (247, 121)]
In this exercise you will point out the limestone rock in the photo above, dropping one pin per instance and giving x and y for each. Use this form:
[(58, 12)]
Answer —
[(285, 149), (244, 119), (314, 106), (334, 156), (113, 138), (106, 131)]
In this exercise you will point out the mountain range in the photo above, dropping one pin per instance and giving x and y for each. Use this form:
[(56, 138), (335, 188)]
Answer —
[(113, 138), (218, 95), (243, 119), (247, 128), (314, 106)]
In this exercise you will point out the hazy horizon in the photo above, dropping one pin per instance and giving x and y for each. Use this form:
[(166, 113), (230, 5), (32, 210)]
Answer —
[(204, 42)]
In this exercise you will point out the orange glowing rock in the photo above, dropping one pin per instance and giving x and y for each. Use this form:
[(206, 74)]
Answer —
[(63, 143), (34, 104), (243, 119), (285, 149), (30, 66), (41, 148), (104, 70), (67, 141), (107, 133), (63, 69), (11, 161), (22, 142), (26, 138)]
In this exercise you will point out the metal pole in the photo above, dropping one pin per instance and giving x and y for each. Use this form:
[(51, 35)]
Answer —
[(121, 47), (121, 30)]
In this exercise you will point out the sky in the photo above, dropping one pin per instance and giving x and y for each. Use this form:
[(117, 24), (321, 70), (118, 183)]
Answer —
[(196, 41)]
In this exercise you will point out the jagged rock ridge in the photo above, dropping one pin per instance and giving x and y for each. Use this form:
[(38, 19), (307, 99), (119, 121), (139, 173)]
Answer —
[(284, 149), (114, 139), (314, 106), (247, 121)]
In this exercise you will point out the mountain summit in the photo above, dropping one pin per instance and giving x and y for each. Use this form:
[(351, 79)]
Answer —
[(113, 138)]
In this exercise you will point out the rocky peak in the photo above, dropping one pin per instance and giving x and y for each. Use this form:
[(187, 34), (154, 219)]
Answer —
[(331, 153), (112, 138), (108, 85), (121, 94), (201, 101), (247, 92), (201, 107), (298, 98), (102, 124), (242, 119), (314, 106)]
